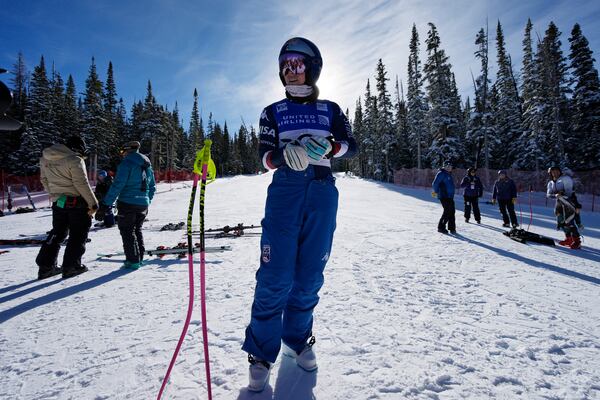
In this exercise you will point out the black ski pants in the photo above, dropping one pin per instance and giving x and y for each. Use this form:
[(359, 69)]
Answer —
[(472, 202), (448, 215), (507, 209), (130, 221), (74, 222)]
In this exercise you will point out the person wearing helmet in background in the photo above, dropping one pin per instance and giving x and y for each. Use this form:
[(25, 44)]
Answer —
[(298, 138), (64, 177), (473, 190), (505, 192), (443, 189), (101, 189), (567, 209)]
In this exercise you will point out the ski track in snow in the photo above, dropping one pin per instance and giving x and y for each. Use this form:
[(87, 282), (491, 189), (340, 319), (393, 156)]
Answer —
[(405, 312)]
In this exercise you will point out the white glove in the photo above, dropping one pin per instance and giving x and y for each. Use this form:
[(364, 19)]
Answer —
[(295, 156), (316, 147)]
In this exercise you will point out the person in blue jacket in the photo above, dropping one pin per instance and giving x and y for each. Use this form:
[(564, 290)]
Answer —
[(134, 187), (473, 190), (299, 137), (505, 192), (443, 189)]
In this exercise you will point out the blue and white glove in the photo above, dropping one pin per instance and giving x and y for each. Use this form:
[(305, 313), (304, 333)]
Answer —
[(316, 147), (295, 156)]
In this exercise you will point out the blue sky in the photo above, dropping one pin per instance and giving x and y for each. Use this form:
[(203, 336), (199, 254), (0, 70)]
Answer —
[(228, 49)]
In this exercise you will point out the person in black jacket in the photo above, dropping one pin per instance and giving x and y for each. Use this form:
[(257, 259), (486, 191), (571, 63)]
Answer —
[(473, 190), (101, 189), (505, 191)]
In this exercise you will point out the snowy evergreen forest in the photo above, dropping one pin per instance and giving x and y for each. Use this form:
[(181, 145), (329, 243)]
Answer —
[(53, 111), (548, 111)]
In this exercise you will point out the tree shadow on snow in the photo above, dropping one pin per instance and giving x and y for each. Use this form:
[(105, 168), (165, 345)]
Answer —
[(60, 294), (533, 263)]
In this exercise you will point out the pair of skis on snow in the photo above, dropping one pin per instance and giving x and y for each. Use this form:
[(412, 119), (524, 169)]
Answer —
[(179, 250)]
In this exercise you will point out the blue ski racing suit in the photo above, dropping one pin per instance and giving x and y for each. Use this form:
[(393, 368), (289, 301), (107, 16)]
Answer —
[(300, 218)]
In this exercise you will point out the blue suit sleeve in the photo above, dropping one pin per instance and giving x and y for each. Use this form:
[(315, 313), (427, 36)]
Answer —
[(464, 183), (495, 193), (513, 189), (118, 184), (268, 148), (344, 145)]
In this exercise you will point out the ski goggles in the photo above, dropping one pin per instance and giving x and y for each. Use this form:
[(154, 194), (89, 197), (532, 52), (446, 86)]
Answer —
[(292, 63)]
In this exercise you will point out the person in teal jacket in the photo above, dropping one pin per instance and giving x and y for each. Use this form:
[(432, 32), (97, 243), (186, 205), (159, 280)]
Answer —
[(133, 189)]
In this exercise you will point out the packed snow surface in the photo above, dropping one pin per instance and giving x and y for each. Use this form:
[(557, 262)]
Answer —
[(405, 312)]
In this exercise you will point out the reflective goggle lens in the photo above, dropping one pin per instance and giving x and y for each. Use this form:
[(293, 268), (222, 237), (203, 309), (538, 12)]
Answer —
[(292, 63)]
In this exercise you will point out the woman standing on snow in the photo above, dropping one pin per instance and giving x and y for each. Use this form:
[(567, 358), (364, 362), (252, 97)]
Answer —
[(298, 137)]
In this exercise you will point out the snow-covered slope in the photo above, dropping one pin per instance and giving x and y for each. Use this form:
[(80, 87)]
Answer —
[(405, 312)]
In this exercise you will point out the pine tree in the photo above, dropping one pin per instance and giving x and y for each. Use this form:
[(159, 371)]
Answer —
[(358, 163), (416, 103), (20, 77), (58, 110), (384, 137), (479, 132), (94, 123), (373, 169), (71, 114), (553, 69), (225, 151), (253, 151), (151, 126), (401, 156), (530, 142), (196, 139), (583, 147), (40, 131), (441, 91), (507, 112)]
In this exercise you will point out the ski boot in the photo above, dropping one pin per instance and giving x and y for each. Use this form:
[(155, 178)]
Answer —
[(306, 359), (44, 273), (506, 225), (442, 230), (567, 242), (69, 273), (478, 221), (259, 374), (132, 266), (576, 244), (467, 220)]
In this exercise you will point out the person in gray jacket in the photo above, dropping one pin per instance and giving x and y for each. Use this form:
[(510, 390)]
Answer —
[(567, 209), (63, 175)]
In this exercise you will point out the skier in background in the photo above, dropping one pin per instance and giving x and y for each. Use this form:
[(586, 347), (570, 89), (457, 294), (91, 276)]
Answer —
[(567, 209), (134, 188), (443, 189), (298, 137), (473, 190), (505, 192), (101, 189), (63, 175)]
